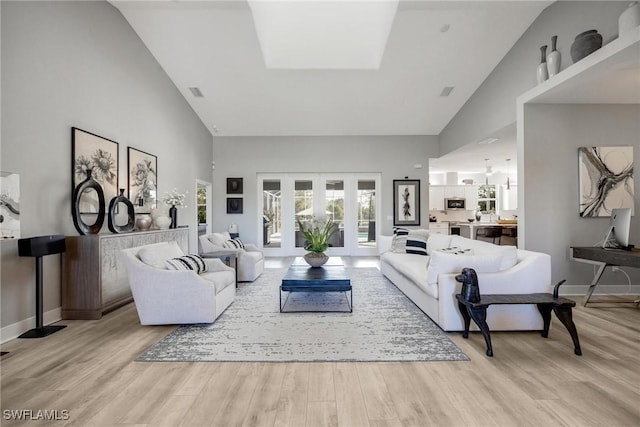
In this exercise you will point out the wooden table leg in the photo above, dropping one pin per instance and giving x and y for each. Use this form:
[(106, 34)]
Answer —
[(479, 316), (466, 318), (545, 312), (564, 314)]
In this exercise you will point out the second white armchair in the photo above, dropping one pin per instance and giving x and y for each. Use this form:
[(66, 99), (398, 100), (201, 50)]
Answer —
[(249, 261)]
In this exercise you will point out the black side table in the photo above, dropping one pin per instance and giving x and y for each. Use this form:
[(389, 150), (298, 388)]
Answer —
[(545, 303), (38, 247)]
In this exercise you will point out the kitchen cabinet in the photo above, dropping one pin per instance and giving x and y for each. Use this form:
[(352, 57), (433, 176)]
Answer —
[(454, 191), (439, 227), (437, 194), (436, 198), (471, 196)]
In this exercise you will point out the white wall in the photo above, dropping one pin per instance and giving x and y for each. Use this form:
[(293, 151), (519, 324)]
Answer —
[(80, 64), (553, 134), (493, 106), (393, 156)]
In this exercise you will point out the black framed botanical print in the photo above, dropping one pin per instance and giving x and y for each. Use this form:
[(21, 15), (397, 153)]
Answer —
[(406, 202), (98, 156), (143, 179), (234, 205), (234, 185)]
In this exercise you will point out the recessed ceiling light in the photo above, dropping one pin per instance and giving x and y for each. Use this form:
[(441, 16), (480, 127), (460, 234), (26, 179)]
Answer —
[(446, 91), (196, 92)]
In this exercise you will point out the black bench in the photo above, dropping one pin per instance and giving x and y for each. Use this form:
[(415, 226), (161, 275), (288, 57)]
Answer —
[(545, 302)]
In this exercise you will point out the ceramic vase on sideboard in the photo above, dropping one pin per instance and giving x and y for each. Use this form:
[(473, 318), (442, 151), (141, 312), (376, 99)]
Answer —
[(554, 58), (173, 214), (542, 73), (161, 220)]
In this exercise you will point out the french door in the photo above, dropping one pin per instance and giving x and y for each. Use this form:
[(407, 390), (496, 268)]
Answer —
[(347, 200)]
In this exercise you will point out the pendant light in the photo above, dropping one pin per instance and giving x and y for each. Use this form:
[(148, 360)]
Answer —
[(508, 182)]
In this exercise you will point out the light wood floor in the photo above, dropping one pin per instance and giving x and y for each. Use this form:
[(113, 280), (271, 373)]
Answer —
[(88, 370)]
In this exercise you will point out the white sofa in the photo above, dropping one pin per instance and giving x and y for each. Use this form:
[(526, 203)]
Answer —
[(429, 281), (165, 297), (249, 261)]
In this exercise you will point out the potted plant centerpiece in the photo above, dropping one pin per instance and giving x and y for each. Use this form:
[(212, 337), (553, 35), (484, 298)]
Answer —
[(317, 237)]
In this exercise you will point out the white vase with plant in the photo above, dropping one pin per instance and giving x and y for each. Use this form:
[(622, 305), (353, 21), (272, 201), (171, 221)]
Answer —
[(317, 235)]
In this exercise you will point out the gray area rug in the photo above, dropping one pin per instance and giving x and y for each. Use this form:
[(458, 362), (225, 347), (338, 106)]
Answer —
[(384, 326)]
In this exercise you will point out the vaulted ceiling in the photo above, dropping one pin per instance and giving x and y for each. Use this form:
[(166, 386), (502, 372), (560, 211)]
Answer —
[(213, 46)]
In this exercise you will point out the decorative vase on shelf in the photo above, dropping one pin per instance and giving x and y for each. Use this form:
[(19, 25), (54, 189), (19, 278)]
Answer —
[(173, 214), (542, 73), (143, 222), (162, 222), (554, 58), (629, 19), (111, 217), (160, 219), (85, 186), (585, 44)]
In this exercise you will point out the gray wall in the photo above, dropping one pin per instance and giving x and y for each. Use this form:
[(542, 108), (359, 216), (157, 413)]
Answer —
[(553, 134), (550, 187), (493, 105), (393, 156), (80, 64)]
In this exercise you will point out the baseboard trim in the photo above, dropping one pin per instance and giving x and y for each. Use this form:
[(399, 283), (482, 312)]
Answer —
[(14, 330), (600, 290)]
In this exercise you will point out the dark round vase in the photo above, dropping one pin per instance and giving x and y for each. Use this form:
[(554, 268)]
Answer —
[(113, 206), (86, 185), (173, 214), (585, 44)]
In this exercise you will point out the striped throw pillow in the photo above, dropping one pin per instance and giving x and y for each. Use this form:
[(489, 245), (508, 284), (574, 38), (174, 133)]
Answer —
[(416, 245), (188, 262), (233, 244)]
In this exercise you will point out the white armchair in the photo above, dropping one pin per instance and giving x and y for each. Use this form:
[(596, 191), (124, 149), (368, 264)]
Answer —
[(164, 297), (249, 261)]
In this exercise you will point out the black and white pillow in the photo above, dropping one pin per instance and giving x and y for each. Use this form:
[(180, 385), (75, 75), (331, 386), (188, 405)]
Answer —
[(398, 231), (416, 245), (188, 262), (233, 244)]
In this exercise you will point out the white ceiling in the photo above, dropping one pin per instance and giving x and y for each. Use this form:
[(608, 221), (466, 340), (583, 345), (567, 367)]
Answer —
[(213, 45), (471, 158)]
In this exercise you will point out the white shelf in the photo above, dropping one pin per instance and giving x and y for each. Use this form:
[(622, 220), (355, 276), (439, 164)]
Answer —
[(610, 75)]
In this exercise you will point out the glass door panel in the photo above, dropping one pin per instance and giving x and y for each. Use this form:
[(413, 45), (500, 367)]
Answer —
[(303, 206), (366, 197), (334, 210), (271, 213)]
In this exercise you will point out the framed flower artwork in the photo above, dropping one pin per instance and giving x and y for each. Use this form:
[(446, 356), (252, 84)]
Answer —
[(90, 152), (143, 179)]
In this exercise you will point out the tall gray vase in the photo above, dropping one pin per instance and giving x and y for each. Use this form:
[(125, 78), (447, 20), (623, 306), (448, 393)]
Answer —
[(542, 73)]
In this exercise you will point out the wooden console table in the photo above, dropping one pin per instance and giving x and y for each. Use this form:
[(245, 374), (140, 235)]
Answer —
[(545, 302), (603, 258), (94, 281)]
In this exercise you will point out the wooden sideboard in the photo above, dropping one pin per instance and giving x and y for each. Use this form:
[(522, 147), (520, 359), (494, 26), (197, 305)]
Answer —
[(94, 280)]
